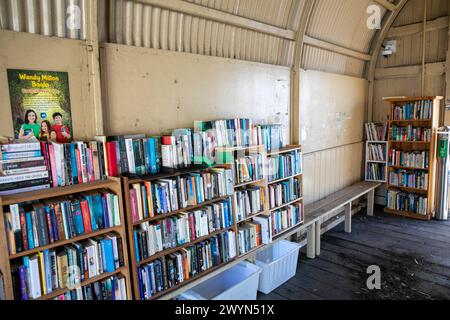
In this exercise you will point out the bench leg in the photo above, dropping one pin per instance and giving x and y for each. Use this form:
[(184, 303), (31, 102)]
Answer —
[(370, 202), (311, 238), (348, 218), (318, 226)]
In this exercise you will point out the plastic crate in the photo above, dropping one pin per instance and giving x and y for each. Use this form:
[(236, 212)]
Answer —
[(278, 263), (237, 283)]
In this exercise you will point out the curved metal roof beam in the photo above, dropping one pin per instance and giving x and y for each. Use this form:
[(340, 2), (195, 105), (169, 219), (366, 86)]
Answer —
[(375, 51)]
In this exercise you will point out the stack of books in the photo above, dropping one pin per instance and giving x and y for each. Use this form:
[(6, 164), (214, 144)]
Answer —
[(151, 238), (409, 179), (174, 269), (286, 218), (418, 110), (22, 168), (249, 168), (376, 172), (131, 155), (248, 202), (418, 160), (401, 201), (284, 166), (149, 199), (50, 270), (33, 225), (270, 136), (74, 163), (411, 134), (284, 192), (177, 150), (376, 152), (249, 237), (112, 288), (228, 133), (376, 131)]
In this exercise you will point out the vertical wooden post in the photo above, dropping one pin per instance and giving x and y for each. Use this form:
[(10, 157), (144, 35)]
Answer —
[(5, 267), (92, 47), (311, 242), (370, 202), (348, 218), (318, 226)]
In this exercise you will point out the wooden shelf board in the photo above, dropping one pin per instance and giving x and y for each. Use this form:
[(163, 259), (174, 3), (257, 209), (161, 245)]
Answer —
[(381, 181), (377, 161), (376, 142), (55, 192), (65, 242), (59, 292), (165, 173), (408, 168), (410, 142), (170, 214), (279, 235), (286, 149), (253, 216), (408, 214), (286, 204), (184, 283), (284, 179), (248, 183), (186, 245), (411, 190)]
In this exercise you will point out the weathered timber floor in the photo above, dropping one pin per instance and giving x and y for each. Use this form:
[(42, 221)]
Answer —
[(414, 258)]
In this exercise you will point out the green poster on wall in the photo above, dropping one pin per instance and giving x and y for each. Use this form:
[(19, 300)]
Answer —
[(40, 105)]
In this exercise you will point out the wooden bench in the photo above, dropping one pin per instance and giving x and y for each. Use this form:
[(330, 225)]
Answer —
[(318, 213)]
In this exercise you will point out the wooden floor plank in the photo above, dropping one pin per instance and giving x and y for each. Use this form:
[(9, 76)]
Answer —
[(414, 257)]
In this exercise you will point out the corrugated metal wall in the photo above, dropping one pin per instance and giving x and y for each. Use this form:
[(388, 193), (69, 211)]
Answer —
[(45, 17)]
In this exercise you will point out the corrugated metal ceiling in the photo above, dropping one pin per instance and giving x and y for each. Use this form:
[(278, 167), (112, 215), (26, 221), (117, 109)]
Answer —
[(339, 22)]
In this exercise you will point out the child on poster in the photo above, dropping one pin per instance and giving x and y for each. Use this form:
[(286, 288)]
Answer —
[(62, 131)]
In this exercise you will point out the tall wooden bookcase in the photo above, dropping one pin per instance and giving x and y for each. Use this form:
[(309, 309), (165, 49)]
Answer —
[(7, 260), (408, 146), (263, 183)]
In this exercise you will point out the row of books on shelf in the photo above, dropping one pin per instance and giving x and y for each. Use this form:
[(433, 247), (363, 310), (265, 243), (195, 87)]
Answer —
[(377, 152), (417, 159), (183, 228), (376, 172), (171, 270), (249, 168), (402, 201), (409, 179), (284, 165), (284, 192), (30, 166), (243, 133), (50, 270), (411, 134), (37, 224), (250, 236), (249, 202), (286, 218), (418, 110), (376, 131), (110, 289), (150, 199)]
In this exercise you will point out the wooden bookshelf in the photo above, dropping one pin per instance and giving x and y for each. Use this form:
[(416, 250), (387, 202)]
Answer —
[(131, 225), (412, 146), (382, 163), (7, 260), (299, 177)]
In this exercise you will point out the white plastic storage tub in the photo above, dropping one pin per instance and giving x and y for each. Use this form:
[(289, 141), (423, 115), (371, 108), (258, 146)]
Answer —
[(237, 283), (278, 263)]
